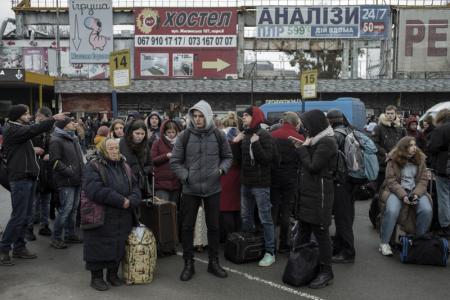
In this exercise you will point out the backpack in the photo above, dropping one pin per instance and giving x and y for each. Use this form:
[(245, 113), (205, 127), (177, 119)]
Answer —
[(360, 155), (341, 173)]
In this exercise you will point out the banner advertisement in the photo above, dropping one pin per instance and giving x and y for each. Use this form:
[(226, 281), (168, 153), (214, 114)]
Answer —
[(323, 22), (185, 42), (35, 60), (11, 57), (424, 40), (91, 31)]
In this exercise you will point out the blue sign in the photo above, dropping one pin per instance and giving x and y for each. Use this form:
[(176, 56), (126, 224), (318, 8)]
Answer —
[(306, 22)]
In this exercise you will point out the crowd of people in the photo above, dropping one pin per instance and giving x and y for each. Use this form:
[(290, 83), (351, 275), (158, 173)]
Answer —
[(247, 176)]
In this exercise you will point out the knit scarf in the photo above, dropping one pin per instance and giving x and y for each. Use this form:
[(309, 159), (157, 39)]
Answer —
[(171, 141), (327, 132)]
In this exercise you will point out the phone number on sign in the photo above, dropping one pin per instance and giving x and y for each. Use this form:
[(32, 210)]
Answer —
[(227, 41)]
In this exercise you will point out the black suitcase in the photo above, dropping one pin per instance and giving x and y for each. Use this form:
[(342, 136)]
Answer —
[(244, 247), (161, 217)]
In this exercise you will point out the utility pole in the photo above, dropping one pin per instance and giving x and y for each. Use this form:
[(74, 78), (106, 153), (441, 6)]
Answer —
[(58, 49)]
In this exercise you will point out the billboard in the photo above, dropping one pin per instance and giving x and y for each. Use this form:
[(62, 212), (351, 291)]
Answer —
[(35, 60), (185, 42), (91, 31), (424, 40), (323, 22)]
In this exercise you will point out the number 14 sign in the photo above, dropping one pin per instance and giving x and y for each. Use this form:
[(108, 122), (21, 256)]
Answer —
[(120, 69)]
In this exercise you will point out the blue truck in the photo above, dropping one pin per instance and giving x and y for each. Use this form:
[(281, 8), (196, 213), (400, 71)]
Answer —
[(353, 109)]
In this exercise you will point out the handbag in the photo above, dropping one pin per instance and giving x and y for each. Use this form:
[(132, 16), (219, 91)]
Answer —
[(303, 263), (424, 250)]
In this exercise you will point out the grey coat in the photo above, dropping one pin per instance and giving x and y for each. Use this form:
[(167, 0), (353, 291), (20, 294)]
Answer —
[(198, 166)]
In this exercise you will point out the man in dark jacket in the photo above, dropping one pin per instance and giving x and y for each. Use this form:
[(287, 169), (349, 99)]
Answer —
[(67, 161), (283, 190), (386, 135), (255, 157), (199, 162), (43, 195), (439, 147), (23, 171)]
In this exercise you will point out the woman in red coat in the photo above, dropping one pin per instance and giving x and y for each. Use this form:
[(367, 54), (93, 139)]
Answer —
[(230, 198), (167, 185)]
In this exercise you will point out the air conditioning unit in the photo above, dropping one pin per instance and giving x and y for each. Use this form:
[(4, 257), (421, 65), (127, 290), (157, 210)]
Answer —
[(231, 76)]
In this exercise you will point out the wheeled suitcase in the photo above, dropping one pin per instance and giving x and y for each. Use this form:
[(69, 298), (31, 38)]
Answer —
[(139, 263), (161, 217), (244, 247)]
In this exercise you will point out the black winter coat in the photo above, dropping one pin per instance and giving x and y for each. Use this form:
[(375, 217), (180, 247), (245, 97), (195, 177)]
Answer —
[(139, 165), (66, 159), (316, 181), (17, 144), (438, 148), (45, 175), (107, 243), (255, 173)]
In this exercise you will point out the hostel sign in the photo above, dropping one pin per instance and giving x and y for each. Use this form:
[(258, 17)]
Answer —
[(323, 22)]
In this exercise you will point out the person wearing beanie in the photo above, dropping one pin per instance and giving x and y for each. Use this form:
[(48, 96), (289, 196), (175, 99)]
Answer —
[(66, 158), (318, 156), (253, 148), (22, 170), (200, 156), (102, 134), (283, 190)]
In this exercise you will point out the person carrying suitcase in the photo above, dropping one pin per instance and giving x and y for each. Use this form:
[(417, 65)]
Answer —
[(200, 156)]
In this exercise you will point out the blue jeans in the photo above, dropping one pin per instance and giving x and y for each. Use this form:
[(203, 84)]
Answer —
[(22, 194), (69, 198), (443, 197), (260, 196), (424, 214)]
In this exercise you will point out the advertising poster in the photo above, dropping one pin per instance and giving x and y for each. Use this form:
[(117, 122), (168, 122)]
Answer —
[(154, 64), (35, 60), (199, 42), (323, 22), (183, 65), (68, 70), (91, 31), (11, 58), (424, 40)]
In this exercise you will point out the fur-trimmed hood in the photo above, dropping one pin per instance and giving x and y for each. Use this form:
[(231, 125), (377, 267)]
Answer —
[(382, 120)]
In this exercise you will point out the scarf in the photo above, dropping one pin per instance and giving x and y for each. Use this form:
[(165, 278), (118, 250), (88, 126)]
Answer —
[(327, 132), (171, 141)]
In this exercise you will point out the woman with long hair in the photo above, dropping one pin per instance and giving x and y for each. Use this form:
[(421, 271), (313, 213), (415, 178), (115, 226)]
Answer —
[(117, 129), (404, 188), (134, 147)]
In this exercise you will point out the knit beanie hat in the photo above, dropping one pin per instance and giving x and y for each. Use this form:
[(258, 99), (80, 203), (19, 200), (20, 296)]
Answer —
[(335, 116), (103, 131), (314, 121), (61, 124), (16, 111)]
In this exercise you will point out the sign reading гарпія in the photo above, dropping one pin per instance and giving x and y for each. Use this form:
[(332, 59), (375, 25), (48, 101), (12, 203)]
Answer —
[(91, 31), (323, 22), (185, 42)]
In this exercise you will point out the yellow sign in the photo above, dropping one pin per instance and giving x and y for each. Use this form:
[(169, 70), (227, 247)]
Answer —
[(120, 68), (308, 84)]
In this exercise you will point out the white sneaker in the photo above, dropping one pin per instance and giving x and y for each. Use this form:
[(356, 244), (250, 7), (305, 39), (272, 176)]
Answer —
[(385, 249), (267, 260)]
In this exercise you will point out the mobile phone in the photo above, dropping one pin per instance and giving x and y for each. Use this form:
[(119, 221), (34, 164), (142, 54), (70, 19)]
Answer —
[(295, 140)]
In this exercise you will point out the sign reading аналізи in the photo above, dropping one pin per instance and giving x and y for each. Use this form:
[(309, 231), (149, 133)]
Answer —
[(91, 31), (323, 22)]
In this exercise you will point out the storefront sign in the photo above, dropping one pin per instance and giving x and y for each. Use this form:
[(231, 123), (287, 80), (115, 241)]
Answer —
[(12, 75)]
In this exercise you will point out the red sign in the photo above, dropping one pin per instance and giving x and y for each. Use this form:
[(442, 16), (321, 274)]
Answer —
[(185, 42)]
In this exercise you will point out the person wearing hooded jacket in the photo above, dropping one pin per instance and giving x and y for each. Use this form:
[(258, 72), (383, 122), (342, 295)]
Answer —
[(412, 130), (153, 122), (253, 148), (318, 155), (199, 163)]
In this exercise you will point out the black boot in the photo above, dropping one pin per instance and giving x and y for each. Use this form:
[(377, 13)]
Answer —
[(29, 234), (188, 270), (97, 281), (324, 278), (111, 277), (215, 269)]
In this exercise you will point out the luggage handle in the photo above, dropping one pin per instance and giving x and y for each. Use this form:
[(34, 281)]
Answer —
[(153, 192)]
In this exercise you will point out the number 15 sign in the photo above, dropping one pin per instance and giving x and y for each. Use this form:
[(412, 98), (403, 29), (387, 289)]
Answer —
[(308, 84), (120, 69)]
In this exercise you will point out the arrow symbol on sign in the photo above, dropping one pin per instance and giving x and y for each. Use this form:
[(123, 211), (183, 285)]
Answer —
[(19, 75), (219, 65), (76, 39)]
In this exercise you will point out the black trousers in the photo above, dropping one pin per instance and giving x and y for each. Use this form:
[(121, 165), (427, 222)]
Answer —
[(344, 215), (189, 210), (230, 221), (282, 199), (322, 235)]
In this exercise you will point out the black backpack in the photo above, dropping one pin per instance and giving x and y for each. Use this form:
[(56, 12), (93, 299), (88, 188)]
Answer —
[(340, 175)]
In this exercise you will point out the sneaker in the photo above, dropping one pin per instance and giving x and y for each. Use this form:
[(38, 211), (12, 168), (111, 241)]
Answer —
[(267, 260), (385, 249), (73, 239), (5, 259), (58, 244), (45, 231), (23, 253)]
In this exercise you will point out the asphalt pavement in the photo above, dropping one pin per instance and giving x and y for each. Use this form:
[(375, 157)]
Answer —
[(60, 274)]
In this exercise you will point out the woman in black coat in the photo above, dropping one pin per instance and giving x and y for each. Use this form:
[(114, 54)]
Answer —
[(317, 154), (135, 148), (104, 246)]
